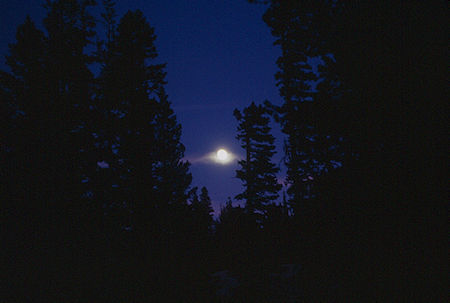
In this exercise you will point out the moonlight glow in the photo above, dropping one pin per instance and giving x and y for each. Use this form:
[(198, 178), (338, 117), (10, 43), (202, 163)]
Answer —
[(222, 156)]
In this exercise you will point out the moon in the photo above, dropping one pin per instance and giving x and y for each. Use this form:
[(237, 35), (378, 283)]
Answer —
[(222, 155)]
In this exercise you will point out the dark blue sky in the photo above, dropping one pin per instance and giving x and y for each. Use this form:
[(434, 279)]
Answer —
[(219, 56)]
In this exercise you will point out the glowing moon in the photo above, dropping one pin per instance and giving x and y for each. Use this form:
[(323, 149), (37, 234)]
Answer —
[(222, 155)]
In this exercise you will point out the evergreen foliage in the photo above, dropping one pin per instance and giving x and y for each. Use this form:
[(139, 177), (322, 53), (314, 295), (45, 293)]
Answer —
[(202, 210), (139, 132), (311, 149), (257, 172), (96, 199), (371, 111), (92, 166)]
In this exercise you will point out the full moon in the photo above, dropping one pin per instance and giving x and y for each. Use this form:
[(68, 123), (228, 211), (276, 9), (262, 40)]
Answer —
[(222, 155)]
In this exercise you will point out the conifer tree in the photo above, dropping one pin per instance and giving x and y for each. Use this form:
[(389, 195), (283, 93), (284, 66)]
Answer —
[(48, 94), (128, 114), (140, 133), (257, 172), (201, 216), (202, 211), (205, 200), (311, 145), (225, 211), (173, 177), (24, 112), (381, 110), (68, 144), (50, 88)]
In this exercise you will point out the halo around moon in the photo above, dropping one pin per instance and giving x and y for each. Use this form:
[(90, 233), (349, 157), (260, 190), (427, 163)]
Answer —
[(222, 155)]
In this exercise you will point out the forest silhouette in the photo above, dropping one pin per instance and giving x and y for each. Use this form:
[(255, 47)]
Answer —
[(97, 203)]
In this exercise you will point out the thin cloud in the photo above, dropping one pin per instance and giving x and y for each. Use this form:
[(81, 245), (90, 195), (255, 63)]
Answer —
[(211, 158)]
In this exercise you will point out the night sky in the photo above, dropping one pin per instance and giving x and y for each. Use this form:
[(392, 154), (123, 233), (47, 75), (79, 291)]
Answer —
[(220, 56)]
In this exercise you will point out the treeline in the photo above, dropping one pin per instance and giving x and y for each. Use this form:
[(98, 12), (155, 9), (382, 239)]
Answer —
[(362, 144), (97, 203), (96, 200), (363, 115)]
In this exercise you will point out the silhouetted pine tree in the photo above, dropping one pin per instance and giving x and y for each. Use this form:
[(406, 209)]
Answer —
[(68, 139), (374, 103), (171, 171), (257, 172), (205, 201), (67, 160), (145, 185), (200, 232), (23, 207), (49, 93), (50, 87), (140, 135), (228, 233), (225, 210), (311, 149), (126, 116), (24, 112), (202, 211)]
